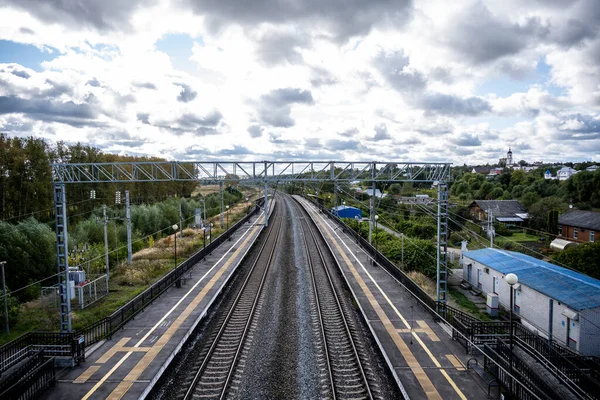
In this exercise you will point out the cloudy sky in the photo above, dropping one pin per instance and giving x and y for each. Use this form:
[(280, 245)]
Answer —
[(422, 80)]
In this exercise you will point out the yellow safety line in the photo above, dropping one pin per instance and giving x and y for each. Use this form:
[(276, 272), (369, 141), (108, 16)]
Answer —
[(361, 283), (113, 350), (153, 351), (428, 330), (428, 387), (141, 366), (83, 378), (456, 362)]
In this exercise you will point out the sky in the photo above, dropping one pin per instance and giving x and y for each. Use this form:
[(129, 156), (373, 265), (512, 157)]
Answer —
[(384, 80)]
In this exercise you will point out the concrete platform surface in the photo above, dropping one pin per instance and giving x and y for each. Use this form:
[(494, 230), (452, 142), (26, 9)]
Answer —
[(425, 360), (128, 365)]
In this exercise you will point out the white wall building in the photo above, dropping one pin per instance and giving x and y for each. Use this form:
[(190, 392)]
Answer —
[(575, 297), (565, 173)]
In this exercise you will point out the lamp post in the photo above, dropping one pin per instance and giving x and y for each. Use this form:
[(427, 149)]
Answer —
[(247, 206), (227, 207), (175, 227), (204, 241), (210, 233), (512, 280), (402, 259), (5, 299)]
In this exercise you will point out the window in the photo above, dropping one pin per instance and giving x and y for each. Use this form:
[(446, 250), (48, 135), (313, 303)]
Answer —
[(560, 231), (575, 233), (592, 236)]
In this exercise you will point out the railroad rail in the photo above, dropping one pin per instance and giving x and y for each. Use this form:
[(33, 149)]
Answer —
[(350, 377), (212, 374)]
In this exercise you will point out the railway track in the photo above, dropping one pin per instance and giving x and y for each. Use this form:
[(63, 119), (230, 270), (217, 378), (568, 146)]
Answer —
[(345, 360), (212, 374)]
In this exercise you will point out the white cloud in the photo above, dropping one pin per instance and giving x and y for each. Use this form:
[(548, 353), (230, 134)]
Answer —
[(410, 72)]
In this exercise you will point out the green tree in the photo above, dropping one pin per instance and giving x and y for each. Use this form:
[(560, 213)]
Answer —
[(584, 258)]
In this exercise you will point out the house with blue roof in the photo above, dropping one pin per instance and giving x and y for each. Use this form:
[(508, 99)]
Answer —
[(548, 298)]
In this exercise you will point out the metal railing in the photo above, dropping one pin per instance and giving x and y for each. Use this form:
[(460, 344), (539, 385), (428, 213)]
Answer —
[(469, 330), (71, 345), (31, 380), (107, 326)]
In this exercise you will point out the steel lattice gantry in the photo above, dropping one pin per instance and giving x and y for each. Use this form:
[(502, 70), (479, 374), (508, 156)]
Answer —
[(249, 172)]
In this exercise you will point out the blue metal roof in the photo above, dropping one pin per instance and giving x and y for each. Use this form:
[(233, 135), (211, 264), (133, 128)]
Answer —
[(576, 290), (342, 207)]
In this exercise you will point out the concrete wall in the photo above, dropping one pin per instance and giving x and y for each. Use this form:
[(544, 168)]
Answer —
[(534, 309)]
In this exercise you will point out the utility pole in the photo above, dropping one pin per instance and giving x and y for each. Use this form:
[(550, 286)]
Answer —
[(491, 228), (128, 217), (180, 222), (372, 205), (221, 218), (105, 241), (5, 299), (402, 259)]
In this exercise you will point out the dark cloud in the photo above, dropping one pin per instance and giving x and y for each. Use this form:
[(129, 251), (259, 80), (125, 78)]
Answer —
[(45, 110), (57, 89), (582, 23), (351, 132), (93, 82), (102, 15), (467, 140), (312, 143), (146, 85), (339, 18), (211, 119), (143, 118), (481, 37), (275, 107), (17, 126), (342, 145), (235, 151), (26, 30), (578, 127), (187, 94), (321, 77), (282, 48), (438, 103), (283, 97), (381, 132), (189, 123), (395, 69), (255, 131), (21, 74)]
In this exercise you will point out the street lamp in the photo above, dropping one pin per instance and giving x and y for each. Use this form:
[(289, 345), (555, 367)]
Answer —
[(204, 245), (512, 280), (227, 207), (175, 227), (247, 206), (210, 233)]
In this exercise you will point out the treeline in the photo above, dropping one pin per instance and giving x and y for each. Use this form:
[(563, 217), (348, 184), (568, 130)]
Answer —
[(539, 196), (26, 179)]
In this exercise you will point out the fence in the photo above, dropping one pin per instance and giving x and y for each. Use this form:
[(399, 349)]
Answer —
[(31, 380), (73, 344), (91, 292), (54, 344), (468, 330), (105, 327)]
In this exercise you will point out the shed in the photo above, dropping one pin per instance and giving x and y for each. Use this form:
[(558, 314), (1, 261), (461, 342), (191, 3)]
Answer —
[(346, 212), (574, 315), (561, 244)]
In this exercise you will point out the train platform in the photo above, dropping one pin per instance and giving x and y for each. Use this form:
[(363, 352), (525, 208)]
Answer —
[(128, 365), (425, 361)]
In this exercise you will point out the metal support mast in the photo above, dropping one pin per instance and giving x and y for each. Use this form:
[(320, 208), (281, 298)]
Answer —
[(266, 204), (62, 251), (180, 222), (128, 220), (372, 206), (105, 242), (222, 202), (442, 246)]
